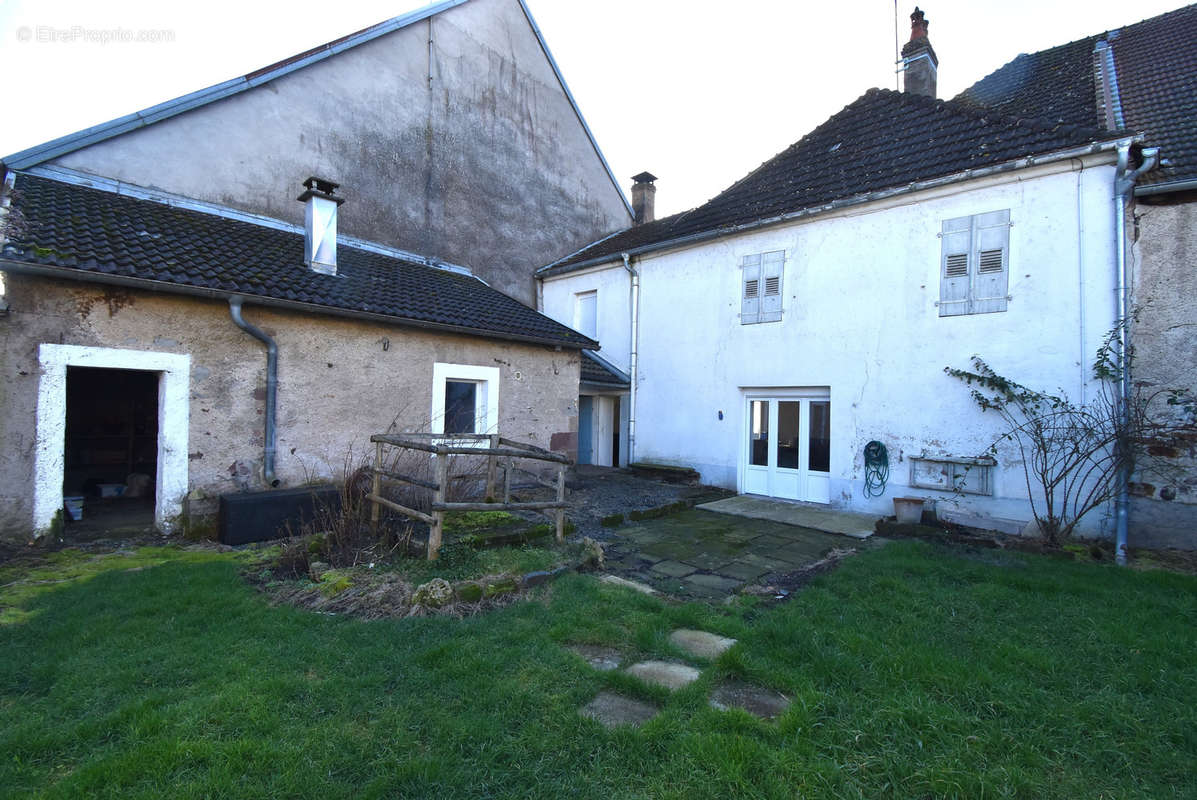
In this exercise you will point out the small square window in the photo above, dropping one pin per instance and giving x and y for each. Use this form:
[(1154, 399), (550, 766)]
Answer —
[(465, 399)]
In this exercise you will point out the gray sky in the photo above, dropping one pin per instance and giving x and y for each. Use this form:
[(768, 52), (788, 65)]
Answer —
[(696, 92)]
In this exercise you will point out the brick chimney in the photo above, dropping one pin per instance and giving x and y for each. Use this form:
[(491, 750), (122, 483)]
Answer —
[(643, 197), (919, 63), (320, 225)]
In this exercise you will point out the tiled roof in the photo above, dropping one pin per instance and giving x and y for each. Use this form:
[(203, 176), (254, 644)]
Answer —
[(596, 371), (99, 232), (885, 139), (1155, 62)]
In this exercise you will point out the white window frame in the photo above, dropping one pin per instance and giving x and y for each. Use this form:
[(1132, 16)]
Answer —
[(761, 300), (968, 281), (579, 299), (486, 410), (174, 414)]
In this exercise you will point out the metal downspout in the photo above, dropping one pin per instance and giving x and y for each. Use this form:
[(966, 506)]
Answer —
[(1124, 184), (271, 386), (635, 293)]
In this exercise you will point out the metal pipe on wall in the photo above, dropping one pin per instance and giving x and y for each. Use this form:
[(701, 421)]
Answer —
[(635, 308), (269, 452), (1124, 185)]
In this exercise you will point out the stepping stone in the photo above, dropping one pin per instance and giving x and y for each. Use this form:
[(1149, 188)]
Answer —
[(604, 659), (613, 710), (615, 580), (674, 569), (701, 644), (663, 673), (759, 702)]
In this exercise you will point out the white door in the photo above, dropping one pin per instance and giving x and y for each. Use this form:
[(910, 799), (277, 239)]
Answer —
[(788, 446)]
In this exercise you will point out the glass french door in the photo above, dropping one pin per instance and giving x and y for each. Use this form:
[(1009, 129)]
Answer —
[(788, 452)]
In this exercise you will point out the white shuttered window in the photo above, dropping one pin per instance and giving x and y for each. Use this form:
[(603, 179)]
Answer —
[(761, 283), (975, 264)]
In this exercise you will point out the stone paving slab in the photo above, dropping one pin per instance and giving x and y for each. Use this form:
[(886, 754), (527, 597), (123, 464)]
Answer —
[(604, 659), (613, 710), (743, 571), (674, 569), (716, 582), (711, 562), (759, 702), (664, 673), (701, 644), (848, 523)]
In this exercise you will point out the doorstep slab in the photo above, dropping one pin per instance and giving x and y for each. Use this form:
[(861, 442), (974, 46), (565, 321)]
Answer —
[(613, 710), (701, 644), (663, 673)]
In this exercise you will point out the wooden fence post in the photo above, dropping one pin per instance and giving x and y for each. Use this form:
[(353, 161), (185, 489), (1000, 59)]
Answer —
[(507, 480), (376, 490), (438, 524), (492, 464), (561, 499)]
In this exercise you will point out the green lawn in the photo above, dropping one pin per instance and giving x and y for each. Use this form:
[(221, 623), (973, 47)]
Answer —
[(915, 671)]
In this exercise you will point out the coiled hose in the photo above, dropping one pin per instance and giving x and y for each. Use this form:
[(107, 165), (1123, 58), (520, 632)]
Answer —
[(876, 460)]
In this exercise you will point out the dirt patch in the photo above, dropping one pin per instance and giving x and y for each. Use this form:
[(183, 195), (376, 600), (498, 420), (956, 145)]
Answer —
[(381, 596), (599, 493)]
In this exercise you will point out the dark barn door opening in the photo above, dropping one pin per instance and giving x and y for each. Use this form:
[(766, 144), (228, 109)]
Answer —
[(111, 448)]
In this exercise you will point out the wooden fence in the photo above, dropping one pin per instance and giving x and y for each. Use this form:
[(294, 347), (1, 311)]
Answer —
[(501, 455)]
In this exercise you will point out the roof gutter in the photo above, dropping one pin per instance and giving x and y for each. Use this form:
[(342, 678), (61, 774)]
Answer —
[(1166, 188), (856, 200), (70, 273)]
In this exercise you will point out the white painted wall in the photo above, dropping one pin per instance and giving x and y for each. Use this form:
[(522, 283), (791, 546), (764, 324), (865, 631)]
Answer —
[(860, 288), (613, 287)]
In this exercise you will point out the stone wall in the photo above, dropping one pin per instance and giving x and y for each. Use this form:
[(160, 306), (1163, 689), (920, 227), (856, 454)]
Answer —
[(339, 382), (1164, 507)]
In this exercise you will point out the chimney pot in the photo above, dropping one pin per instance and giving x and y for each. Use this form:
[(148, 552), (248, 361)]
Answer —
[(320, 224), (643, 198), (919, 62)]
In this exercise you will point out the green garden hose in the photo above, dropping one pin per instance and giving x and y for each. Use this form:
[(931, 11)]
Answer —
[(876, 469)]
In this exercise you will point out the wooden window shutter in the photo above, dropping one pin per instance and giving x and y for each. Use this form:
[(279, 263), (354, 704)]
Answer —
[(955, 268), (991, 253), (750, 304), (772, 267)]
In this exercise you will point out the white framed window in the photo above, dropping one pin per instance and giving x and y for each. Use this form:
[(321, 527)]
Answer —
[(465, 399), (760, 287), (974, 264), (586, 314)]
